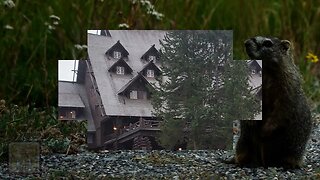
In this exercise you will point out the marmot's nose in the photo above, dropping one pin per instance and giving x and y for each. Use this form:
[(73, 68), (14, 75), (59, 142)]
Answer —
[(267, 43)]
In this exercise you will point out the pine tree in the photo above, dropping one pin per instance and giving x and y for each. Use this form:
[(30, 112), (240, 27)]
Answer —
[(195, 101)]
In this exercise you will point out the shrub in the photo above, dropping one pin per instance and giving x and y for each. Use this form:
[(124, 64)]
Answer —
[(30, 124)]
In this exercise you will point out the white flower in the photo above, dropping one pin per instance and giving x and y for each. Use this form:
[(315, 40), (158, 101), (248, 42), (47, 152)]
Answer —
[(124, 25), (49, 26), (80, 47), (8, 27), (150, 8), (9, 3), (54, 17)]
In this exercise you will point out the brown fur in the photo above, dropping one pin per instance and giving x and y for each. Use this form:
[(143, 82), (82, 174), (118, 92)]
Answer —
[(280, 138)]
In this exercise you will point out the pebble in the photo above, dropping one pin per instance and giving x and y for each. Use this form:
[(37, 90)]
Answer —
[(162, 164)]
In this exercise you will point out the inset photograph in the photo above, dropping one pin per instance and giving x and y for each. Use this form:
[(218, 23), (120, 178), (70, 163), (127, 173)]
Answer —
[(151, 89)]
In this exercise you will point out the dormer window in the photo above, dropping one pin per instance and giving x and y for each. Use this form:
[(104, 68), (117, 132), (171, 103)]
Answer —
[(151, 70), (120, 67), (150, 73), (71, 114), (152, 58), (120, 70), (136, 88), (151, 54), (116, 54), (255, 66), (117, 51)]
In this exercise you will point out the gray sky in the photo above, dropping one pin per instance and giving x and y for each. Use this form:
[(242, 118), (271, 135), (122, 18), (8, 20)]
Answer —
[(65, 68)]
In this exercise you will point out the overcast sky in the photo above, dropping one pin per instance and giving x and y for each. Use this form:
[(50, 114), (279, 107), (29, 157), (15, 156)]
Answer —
[(93, 31), (65, 68)]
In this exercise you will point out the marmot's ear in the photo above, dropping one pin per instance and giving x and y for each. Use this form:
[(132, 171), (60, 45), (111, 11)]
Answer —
[(286, 44)]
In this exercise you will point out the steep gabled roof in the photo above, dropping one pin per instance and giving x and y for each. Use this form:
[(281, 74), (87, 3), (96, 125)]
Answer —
[(69, 95), (151, 65), (70, 100), (139, 76), (136, 42), (72, 94), (118, 45), (121, 62), (152, 50)]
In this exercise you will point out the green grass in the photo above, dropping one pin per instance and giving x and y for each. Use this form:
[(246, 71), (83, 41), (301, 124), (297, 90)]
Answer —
[(32, 39), (27, 123), (31, 49)]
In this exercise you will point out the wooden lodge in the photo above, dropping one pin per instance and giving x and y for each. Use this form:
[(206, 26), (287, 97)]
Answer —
[(112, 90), (121, 67)]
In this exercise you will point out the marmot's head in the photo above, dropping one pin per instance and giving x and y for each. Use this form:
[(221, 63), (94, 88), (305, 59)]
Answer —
[(271, 51)]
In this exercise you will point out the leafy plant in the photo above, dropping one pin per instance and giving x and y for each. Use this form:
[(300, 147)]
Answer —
[(58, 145), (25, 124)]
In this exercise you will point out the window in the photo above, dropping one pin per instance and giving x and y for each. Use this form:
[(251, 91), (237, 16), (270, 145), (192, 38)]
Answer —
[(253, 71), (116, 54), (150, 73), (71, 114), (142, 95), (152, 58), (120, 70), (133, 95), (90, 138), (61, 114), (138, 94)]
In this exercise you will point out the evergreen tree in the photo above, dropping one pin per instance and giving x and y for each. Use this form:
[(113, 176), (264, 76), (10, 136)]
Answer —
[(196, 97)]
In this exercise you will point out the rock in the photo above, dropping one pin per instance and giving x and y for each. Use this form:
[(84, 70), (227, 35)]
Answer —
[(162, 165)]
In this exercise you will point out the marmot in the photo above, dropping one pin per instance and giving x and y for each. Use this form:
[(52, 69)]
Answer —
[(279, 140)]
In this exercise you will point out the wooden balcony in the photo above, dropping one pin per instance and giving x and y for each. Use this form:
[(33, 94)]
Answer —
[(142, 127)]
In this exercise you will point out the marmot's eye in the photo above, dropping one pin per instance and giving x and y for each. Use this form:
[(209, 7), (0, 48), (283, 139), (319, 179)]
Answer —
[(267, 43)]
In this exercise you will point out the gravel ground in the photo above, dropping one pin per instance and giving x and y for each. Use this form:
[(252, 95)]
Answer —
[(164, 165)]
